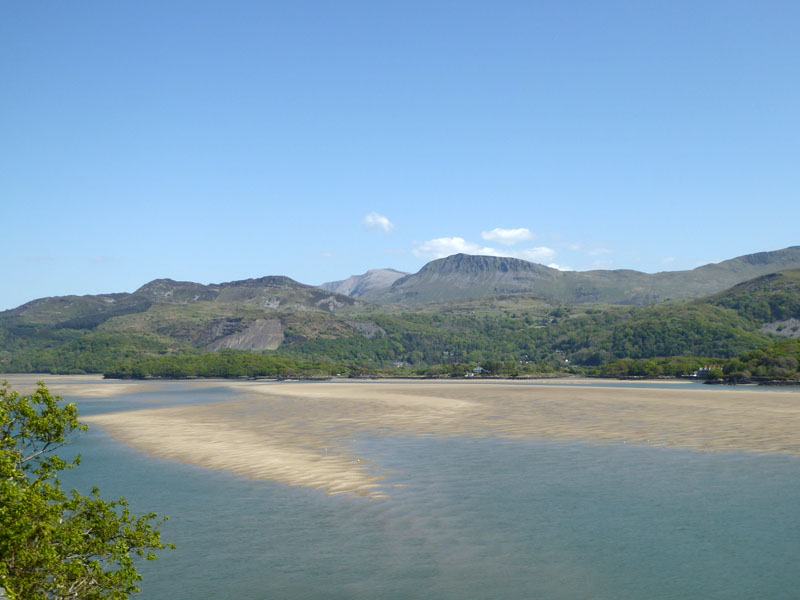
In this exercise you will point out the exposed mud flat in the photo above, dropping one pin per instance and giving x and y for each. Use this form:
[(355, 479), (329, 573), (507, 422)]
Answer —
[(304, 433)]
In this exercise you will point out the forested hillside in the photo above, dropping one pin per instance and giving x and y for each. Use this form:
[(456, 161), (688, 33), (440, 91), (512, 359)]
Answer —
[(275, 327)]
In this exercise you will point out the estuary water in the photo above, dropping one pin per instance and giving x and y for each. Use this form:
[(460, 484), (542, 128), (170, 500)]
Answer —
[(465, 519)]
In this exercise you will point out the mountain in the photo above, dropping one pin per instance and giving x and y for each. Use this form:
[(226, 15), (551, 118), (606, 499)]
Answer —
[(465, 277), (355, 286), (167, 316), (772, 301), (272, 292), (528, 337), (468, 310)]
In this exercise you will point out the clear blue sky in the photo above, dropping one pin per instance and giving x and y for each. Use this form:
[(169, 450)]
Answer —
[(213, 141)]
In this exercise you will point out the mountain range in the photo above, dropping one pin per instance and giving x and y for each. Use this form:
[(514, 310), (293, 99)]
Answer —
[(464, 277), (459, 308)]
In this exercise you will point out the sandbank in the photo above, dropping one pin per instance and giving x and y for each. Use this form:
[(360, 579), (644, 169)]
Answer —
[(305, 433), (80, 386), (95, 386)]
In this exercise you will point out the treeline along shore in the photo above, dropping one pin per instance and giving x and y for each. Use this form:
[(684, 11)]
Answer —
[(775, 364)]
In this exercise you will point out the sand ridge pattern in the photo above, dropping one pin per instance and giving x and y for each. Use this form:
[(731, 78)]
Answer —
[(304, 433)]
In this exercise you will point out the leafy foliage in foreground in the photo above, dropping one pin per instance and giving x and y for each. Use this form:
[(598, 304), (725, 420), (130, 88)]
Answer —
[(54, 545)]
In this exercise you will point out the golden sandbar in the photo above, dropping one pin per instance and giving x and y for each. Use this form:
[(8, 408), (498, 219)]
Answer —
[(303, 433)]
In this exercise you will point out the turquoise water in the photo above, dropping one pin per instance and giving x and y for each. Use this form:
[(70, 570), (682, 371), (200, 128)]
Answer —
[(476, 519)]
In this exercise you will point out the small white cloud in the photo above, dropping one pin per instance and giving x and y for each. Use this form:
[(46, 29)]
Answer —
[(575, 247), (507, 237), (326, 255), (599, 251), (668, 260), (378, 222), (560, 267)]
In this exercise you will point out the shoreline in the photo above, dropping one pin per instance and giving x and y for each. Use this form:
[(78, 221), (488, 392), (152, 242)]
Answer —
[(29, 380), (304, 433)]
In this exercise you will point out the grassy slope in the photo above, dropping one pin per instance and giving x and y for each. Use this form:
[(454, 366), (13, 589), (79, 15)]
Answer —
[(46, 335)]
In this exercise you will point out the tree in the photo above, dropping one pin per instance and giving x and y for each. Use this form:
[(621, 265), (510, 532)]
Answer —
[(54, 545)]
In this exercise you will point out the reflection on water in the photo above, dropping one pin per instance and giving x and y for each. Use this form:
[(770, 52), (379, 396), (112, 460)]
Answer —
[(470, 519)]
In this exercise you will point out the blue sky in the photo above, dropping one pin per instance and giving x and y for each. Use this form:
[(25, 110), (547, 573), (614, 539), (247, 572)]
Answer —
[(214, 141)]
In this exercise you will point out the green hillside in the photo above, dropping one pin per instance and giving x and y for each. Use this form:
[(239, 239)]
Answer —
[(317, 332), (766, 299), (76, 334), (589, 340), (465, 277)]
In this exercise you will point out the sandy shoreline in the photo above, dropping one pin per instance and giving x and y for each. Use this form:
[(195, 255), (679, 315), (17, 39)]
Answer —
[(92, 386), (303, 433)]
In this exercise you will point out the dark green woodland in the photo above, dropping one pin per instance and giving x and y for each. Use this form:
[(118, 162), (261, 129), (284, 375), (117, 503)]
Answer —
[(603, 323)]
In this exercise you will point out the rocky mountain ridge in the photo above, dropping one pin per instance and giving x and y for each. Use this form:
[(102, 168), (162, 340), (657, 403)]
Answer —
[(455, 278), (76, 334), (464, 277), (356, 286)]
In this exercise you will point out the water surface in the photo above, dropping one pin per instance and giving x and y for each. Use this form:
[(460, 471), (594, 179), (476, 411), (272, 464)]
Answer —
[(467, 518)]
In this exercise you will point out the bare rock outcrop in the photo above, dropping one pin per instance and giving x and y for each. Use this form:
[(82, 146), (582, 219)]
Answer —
[(261, 334)]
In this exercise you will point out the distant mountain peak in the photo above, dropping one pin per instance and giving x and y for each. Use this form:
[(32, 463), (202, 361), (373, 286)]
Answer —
[(276, 281), (466, 277), (373, 280), (275, 292), (169, 290), (464, 263)]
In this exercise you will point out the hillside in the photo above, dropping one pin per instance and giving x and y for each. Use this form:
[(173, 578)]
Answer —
[(772, 301), (272, 292), (523, 331), (463, 277), (83, 333), (533, 335)]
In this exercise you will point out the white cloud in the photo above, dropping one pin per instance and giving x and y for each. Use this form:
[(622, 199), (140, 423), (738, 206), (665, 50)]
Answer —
[(378, 222), (446, 246), (560, 267), (507, 237), (599, 251), (668, 260)]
